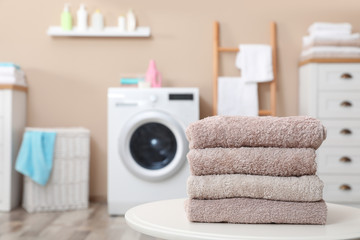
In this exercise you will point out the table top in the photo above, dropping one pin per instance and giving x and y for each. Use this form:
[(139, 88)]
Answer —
[(167, 220)]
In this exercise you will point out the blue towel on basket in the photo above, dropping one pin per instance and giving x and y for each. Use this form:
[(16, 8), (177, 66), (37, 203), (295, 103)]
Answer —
[(35, 158)]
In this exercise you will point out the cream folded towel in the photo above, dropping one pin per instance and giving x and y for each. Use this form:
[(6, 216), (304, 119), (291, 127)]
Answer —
[(331, 52), (329, 28), (238, 131), (299, 189), (247, 210), (256, 161), (352, 40)]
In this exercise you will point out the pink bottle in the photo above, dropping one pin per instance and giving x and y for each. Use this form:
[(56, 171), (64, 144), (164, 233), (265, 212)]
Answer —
[(153, 76)]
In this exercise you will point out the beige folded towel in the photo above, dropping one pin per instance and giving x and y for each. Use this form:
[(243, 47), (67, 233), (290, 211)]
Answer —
[(257, 161), (301, 189), (238, 131), (352, 40), (331, 52), (247, 210)]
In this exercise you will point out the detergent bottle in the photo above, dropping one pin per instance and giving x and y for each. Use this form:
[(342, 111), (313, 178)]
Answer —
[(153, 76)]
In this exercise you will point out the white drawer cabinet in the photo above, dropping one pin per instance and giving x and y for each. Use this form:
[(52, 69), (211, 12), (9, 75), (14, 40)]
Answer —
[(12, 124), (331, 93)]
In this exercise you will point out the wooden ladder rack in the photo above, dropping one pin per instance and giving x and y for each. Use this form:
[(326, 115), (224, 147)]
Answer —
[(216, 52)]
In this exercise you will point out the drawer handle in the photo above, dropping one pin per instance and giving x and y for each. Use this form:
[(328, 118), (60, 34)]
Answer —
[(345, 131), (345, 187), (346, 104), (345, 159), (346, 76)]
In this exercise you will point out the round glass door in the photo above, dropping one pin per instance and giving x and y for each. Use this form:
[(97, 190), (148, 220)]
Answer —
[(153, 145)]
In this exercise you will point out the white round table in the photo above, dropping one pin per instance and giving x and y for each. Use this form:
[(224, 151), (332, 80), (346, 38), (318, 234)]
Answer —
[(167, 220)]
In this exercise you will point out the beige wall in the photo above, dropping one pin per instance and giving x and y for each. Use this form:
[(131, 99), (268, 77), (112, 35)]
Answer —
[(69, 77)]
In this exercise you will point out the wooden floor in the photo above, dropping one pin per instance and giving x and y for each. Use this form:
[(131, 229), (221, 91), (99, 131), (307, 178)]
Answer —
[(90, 224)]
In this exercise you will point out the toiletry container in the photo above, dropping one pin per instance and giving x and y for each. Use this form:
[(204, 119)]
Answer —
[(121, 24), (97, 21), (82, 18), (153, 76), (131, 21), (66, 19)]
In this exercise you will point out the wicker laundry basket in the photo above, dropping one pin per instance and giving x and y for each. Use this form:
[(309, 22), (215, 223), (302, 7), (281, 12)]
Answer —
[(68, 185)]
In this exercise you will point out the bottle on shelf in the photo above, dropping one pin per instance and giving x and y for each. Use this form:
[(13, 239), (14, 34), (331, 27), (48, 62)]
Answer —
[(66, 18), (97, 21), (121, 23), (82, 16), (131, 21)]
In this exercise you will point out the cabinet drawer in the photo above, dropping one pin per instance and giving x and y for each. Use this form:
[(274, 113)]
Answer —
[(342, 133), (339, 77), (2, 103), (344, 160), (2, 159), (2, 193), (341, 188), (339, 105), (2, 130)]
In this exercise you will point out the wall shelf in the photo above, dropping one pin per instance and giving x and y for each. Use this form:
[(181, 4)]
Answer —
[(56, 31)]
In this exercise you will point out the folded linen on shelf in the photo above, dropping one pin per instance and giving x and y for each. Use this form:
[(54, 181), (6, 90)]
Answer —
[(257, 161), (352, 40), (247, 210), (240, 131), (13, 80), (325, 27), (330, 33), (10, 66), (299, 189), (331, 52)]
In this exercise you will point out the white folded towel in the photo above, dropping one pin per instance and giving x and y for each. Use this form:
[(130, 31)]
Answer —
[(13, 80), (11, 71), (255, 62), (331, 50), (331, 33), (236, 97), (308, 40), (330, 27)]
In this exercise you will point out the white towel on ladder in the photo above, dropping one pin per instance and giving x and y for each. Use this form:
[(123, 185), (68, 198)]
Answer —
[(235, 97), (240, 97)]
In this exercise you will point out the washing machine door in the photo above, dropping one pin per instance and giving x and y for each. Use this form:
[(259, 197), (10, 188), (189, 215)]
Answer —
[(153, 145)]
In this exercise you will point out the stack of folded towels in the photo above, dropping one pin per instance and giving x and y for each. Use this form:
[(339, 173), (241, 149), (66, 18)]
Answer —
[(331, 40), (11, 73), (255, 170)]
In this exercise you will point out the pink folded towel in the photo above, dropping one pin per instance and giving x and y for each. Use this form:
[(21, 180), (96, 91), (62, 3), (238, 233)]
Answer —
[(301, 189), (257, 161), (239, 131), (247, 210)]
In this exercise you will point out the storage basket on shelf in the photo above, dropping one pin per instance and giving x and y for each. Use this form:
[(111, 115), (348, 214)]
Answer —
[(68, 185)]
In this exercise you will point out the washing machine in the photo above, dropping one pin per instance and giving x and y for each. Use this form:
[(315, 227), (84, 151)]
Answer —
[(147, 145)]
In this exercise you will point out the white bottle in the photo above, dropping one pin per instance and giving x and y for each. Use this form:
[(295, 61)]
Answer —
[(82, 18), (121, 24), (97, 21), (131, 21)]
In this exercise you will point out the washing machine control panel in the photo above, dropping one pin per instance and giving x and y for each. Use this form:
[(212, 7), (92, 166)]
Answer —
[(180, 96)]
